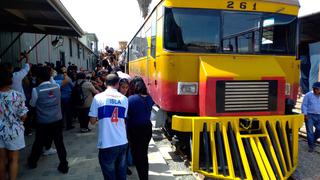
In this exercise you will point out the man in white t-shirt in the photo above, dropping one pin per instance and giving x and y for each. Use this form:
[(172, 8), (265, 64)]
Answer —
[(109, 108)]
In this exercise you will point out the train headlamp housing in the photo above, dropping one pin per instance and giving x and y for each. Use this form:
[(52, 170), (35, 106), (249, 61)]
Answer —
[(288, 89), (187, 88)]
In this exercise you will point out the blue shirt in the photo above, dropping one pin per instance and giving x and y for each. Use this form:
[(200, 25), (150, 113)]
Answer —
[(66, 90), (139, 111), (310, 104)]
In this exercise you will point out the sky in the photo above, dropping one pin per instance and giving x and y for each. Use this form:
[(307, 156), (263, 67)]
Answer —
[(111, 20), (309, 7), (119, 20)]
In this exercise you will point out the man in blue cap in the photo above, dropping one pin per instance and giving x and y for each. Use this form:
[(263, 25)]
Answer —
[(311, 109)]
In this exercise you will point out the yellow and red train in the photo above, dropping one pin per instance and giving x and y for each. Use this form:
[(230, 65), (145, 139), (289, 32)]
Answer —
[(229, 69)]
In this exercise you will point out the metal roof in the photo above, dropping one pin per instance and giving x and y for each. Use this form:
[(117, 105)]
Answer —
[(289, 2), (310, 28), (37, 16)]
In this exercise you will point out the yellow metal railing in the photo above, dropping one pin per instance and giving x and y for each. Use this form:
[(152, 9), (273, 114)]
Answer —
[(260, 147)]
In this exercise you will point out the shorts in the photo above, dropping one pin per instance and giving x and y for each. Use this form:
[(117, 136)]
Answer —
[(13, 145)]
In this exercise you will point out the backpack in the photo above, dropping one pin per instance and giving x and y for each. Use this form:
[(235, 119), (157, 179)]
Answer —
[(77, 95)]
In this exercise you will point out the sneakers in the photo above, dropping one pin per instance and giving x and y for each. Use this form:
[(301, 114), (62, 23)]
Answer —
[(49, 152), (63, 168)]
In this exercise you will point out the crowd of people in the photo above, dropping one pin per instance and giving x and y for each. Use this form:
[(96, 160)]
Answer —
[(46, 100)]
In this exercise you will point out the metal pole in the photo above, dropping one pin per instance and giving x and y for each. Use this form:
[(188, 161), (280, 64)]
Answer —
[(10, 45), (34, 46)]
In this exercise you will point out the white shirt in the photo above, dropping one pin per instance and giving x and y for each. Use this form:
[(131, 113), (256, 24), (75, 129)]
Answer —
[(18, 77), (123, 75), (111, 108)]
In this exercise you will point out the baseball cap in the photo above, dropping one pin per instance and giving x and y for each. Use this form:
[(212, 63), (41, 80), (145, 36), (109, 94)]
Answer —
[(316, 85)]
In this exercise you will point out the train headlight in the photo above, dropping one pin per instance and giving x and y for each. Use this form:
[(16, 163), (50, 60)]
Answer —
[(288, 89), (187, 88)]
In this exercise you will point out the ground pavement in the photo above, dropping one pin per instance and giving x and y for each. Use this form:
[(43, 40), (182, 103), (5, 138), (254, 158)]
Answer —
[(83, 161)]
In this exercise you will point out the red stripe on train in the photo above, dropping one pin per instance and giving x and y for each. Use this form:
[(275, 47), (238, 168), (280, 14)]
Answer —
[(165, 94)]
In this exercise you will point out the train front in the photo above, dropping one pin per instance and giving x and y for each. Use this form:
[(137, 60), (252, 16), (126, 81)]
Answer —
[(233, 65)]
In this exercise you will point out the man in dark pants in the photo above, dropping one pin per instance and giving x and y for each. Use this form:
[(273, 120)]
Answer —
[(46, 98), (311, 109), (87, 91), (110, 108)]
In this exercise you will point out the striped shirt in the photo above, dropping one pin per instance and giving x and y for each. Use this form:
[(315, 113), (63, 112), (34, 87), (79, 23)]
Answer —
[(110, 107)]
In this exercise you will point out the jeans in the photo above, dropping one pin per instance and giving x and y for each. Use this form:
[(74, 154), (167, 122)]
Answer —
[(113, 162), (313, 121)]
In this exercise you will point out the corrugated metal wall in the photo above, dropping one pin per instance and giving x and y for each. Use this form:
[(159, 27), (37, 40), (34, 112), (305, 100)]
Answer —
[(314, 51), (13, 53), (44, 52)]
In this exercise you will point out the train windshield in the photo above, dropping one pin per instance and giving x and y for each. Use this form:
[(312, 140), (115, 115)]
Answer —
[(214, 31)]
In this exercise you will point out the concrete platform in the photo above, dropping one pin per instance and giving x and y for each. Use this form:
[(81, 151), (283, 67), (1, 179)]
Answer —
[(83, 161)]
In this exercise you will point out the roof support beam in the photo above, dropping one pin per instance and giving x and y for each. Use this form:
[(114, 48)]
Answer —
[(26, 5), (30, 21), (37, 16), (46, 30)]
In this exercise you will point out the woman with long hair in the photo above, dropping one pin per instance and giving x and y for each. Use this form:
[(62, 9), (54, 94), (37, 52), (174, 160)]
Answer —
[(12, 114), (139, 127)]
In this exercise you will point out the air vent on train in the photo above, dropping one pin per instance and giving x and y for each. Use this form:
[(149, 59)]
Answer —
[(246, 96)]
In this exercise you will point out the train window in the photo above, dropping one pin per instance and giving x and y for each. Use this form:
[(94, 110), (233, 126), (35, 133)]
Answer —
[(138, 46), (160, 12), (258, 33), (143, 44), (229, 45), (279, 34), (192, 30), (242, 31), (214, 31), (132, 52), (153, 35)]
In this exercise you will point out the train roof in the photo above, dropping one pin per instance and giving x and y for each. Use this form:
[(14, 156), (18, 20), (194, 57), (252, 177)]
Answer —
[(289, 2)]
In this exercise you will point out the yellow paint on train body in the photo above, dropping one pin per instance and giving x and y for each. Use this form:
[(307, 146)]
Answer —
[(278, 157), (273, 148), (236, 5)]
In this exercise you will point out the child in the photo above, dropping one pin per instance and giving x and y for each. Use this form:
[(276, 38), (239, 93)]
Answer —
[(124, 86), (123, 89)]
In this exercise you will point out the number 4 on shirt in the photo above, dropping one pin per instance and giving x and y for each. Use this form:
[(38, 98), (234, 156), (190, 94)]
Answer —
[(114, 117)]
